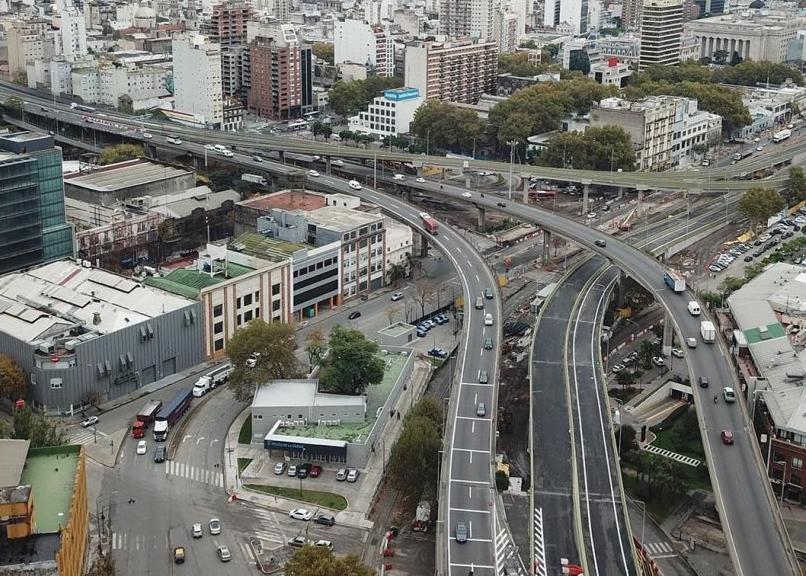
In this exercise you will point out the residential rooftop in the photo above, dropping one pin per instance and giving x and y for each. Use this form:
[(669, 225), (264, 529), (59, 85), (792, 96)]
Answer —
[(51, 472), (182, 204), (125, 175), (12, 455), (300, 393), (51, 300), (287, 200), (189, 282), (341, 219), (264, 247)]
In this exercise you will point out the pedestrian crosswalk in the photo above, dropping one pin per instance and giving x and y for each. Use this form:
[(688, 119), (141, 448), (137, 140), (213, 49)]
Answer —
[(137, 542), (268, 524), (85, 436), (505, 555), (688, 460), (660, 550), (194, 473), (540, 546)]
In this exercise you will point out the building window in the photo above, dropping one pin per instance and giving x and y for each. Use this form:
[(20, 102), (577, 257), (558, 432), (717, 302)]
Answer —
[(247, 316), (275, 306), (218, 310), (238, 320), (247, 300), (218, 345), (218, 327), (797, 463), (275, 289), (257, 296), (55, 383)]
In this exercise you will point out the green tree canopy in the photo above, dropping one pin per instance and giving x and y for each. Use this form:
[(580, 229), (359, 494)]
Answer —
[(446, 126), (758, 204), (13, 105), (353, 363), (323, 51), (37, 428), (275, 342), (120, 153), (517, 64), (349, 97), (606, 148), (797, 182), (319, 561)]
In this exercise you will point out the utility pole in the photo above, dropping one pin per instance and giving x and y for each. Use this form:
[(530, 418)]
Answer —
[(512, 144)]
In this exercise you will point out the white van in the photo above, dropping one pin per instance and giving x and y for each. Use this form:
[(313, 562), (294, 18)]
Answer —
[(694, 308), (219, 148)]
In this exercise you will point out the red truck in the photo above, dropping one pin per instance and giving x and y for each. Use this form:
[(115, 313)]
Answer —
[(429, 223), (145, 417)]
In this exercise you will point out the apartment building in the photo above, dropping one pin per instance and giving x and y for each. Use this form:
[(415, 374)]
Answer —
[(235, 71), (467, 18), (751, 34), (694, 129), (661, 29), (611, 72), (505, 30), (72, 34), (571, 12), (276, 82), (390, 114), (228, 23), (197, 79), (458, 71), (125, 87), (372, 46), (26, 45)]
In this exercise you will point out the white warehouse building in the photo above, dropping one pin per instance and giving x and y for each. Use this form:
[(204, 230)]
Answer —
[(390, 114)]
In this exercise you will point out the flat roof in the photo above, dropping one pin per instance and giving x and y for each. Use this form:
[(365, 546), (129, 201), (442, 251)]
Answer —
[(12, 455), (341, 219), (182, 204), (51, 472), (287, 200), (264, 247), (188, 282), (49, 300), (299, 393), (125, 175)]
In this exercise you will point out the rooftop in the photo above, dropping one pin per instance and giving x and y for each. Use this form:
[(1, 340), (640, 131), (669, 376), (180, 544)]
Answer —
[(49, 300), (341, 219), (287, 200), (125, 175), (12, 455), (182, 204), (52, 474), (264, 247), (188, 282), (300, 393)]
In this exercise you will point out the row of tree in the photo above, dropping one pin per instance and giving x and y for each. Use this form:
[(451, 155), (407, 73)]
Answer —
[(748, 73), (347, 98), (606, 148), (445, 126)]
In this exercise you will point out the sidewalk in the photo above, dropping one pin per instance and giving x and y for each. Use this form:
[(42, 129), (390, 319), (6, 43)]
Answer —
[(358, 505)]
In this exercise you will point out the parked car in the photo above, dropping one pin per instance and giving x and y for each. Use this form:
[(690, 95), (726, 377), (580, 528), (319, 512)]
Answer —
[(658, 361), (341, 474), (292, 469), (298, 542), (352, 475), (617, 368), (279, 468), (461, 532), (324, 544), (303, 470), (677, 353), (215, 526), (300, 514), (316, 471), (437, 353), (325, 520)]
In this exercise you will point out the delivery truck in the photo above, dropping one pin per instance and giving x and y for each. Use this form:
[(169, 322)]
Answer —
[(212, 379), (707, 331), (145, 417), (431, 225), (171, 413)]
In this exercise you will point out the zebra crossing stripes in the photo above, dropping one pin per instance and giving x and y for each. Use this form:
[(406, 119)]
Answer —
[(688, 460), (136, 542), (85, 436), (540, 545), (504, 555), (269, 526), (660, 549), (194, 473)]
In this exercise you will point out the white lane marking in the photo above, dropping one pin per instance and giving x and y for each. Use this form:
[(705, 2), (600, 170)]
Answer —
[(478, 279), (481, 482), (471, 510), (213, 441), (458, 249), (476, 398), (186, 437), (471, 450), (469, 264), (471, 457), (469, 492), (199, 439), (473, 427)]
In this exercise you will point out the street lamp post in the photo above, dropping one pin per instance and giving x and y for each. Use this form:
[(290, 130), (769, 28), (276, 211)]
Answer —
[(783, 479), (427, 141), (512, 144), (643, 518)]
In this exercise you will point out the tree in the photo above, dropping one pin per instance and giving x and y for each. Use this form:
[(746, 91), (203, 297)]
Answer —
[(13, 106), (758, 204), (323, 51), (625, 379), (414, 458), (517, 64), (720, 56), (20, 77), (396, 272), (447, 126), (501, 480), (13, 383), (391, 312), (37, 428), (626, 440), (646, 352), (103, 565), (120, 153), (319, 561), (424, 292), (327, 131), (315, 347), (797, 182), (275, 343), (347, 98), (580, 60), (316, 129), (353, 363), (606, 148)]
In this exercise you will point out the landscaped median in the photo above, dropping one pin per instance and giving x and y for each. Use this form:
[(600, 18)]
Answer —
[(324, 499)]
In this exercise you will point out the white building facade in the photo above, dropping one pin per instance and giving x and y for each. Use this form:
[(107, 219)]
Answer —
[(197, 78), (372, 46), (390, 114)]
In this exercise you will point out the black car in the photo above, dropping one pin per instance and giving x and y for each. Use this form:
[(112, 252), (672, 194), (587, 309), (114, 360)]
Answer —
[(303, 470), (748, 258), (501, 204), (354, 315), (702, 381), (159, 454), (325, 520), (600, 243)]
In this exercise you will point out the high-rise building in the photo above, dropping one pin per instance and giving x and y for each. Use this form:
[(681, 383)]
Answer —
[(281, 9), (571, 12), (73, 34), (235, 71), (661, 28), (276, 72), (362, 43), (25, 46), (467, 18), (711, 7), (197, 78), (453, 71), (631, 11), (228, 23), (505, 28), (33, 226)]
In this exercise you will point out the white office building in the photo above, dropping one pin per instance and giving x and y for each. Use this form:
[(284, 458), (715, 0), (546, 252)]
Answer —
[(571, 12), (390, 114), (197, 78), (695, 130), (370, 45), (72, 33)]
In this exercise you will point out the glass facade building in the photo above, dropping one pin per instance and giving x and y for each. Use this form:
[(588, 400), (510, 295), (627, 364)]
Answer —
[(33, 225)]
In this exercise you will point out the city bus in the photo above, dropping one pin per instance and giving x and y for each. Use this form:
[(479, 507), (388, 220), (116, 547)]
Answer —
[(297, 125)]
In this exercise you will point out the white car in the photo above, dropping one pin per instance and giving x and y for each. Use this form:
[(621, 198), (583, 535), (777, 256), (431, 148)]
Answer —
[(759, 148), (420, 180), (399, 177), (658, 361), (488, 319), (147, 135), (324, 544), (197, 531), (209, 147), (677, 352), (142, 447), (300, 514), (352, 475), (215, 526), (227, 154), (397, 296), (466, 194), (91, 421), (355, 185), (591, 215), (338, 162), (313, 173)]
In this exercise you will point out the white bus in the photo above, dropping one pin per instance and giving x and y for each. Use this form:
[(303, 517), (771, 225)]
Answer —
[(781, 136), (173, 139), (297, 125), (311, 115)]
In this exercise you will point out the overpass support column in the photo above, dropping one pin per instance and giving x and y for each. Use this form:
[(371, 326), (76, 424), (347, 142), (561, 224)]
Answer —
[(525, 180), (668, 335), (423, 246), (480, 224), (327, 164), (467, 179), (546, 246), (586, 189), (620, 193), (281, 153)]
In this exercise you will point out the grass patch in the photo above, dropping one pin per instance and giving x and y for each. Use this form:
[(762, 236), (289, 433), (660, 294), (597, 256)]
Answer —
[(325, 499), (243, 463), (670, 440), (245, 435)]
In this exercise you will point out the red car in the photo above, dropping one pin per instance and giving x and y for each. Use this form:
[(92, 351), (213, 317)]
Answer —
[(316, 470), (727, 437)]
